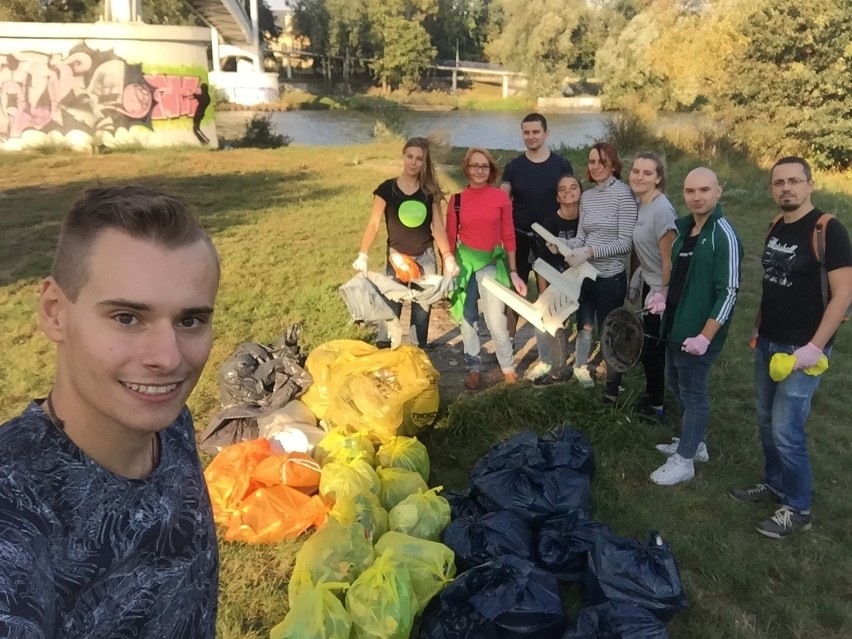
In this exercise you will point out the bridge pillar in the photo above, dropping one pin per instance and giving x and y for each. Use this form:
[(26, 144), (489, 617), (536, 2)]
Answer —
[(214, 46), (455, 80), (505, 85)]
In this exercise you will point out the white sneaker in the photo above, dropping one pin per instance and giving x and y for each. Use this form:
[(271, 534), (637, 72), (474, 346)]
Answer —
[(674, 471), (537, 371), (581, 373), (701, 455)]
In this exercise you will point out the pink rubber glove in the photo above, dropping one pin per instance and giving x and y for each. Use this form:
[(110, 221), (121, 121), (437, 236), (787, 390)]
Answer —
[(656, 303), (519, 284), (806, 356), (451, 267), (578, 256), (696, 345)]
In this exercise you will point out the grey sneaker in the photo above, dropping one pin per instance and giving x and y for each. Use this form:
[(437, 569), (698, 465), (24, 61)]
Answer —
[(582, 375), (701, 454), (756, 494), (784, 522)]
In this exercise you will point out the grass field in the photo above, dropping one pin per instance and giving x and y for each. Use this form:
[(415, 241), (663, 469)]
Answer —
[(287, 223)]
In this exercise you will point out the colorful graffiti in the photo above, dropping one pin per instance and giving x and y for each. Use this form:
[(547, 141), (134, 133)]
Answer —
[(90, 91)]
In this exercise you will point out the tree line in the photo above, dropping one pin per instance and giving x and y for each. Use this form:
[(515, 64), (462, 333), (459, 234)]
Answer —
[(776, 77)]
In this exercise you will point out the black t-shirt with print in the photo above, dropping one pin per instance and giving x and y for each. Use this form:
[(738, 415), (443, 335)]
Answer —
[(411, 240), (791, 307), (561, 228)]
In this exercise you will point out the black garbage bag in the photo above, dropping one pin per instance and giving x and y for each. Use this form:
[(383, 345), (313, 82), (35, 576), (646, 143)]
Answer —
[(622, 569), (616, 620), (509, 598), (477, 540), (462, 504), (566, 446), (532, 493), (519, 451), (564, 543), (268, 376)]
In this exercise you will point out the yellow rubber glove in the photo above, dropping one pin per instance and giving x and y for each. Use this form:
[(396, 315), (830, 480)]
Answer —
[(781, 365)]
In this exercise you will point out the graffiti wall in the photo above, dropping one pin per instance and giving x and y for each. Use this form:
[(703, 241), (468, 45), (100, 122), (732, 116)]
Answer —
[(95, 95)]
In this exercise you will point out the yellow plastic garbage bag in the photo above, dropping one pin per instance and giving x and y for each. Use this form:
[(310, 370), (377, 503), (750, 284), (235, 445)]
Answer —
[(335, 553), (319, 364), (423, 515), (366, 509), (316, 613), (339, 445), (380, 392), (430, 565), (404, 452), (395, 484), (381, 601), (781, 365), (340, 479)]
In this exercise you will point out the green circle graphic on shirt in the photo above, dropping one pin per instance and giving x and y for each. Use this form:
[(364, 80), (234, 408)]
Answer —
[(412, 213)]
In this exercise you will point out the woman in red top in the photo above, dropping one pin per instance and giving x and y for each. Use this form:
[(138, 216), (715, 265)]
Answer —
[(479, 226)]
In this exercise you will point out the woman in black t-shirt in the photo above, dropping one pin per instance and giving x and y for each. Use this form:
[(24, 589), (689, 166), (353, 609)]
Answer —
[(411, 207)]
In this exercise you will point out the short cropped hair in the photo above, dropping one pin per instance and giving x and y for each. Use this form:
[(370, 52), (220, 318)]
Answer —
[(535, 117), (609, 155), (493, 169), (792, 159), (140, 212), (659, 167)]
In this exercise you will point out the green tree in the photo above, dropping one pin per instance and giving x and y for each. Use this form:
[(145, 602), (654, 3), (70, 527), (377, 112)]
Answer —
[(536, 39), (21, 11), (791, 89), (402, 49), (462, 24), (168, 12)]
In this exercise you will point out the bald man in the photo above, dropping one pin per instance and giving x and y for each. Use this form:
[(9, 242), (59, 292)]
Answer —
[(697, 305)]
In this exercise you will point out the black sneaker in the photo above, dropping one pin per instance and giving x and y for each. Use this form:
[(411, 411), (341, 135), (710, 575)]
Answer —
[(784, 522), (649, 413), (756, 494)]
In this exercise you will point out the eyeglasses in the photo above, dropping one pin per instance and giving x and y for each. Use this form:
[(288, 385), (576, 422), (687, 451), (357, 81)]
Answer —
[(779, 184), (479, 167)]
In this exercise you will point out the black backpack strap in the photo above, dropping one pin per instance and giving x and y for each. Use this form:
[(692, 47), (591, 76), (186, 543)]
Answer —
[(457, 209), (819, 251)]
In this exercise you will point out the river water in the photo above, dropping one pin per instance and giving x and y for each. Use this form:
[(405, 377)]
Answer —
[(490, 129)]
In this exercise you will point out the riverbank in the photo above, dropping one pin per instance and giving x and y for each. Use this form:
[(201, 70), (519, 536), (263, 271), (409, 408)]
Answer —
[(287, 224)]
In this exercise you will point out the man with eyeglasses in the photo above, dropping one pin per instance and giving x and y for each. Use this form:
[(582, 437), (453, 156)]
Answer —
[(795, 319), (530, 179)]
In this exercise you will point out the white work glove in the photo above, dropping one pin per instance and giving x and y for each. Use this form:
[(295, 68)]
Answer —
[(519, 284), (451, 267), (634, 288), (578, 256), (806, 356), (360, 264), (655, 303), (696, 345)]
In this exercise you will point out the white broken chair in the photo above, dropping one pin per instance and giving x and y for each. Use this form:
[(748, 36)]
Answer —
[(556, 304)]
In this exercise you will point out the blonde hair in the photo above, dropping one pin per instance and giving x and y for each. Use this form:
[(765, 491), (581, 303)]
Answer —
[(493, 170)]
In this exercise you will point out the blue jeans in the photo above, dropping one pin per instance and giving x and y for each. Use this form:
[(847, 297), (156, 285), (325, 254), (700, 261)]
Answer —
[(495, 319), (782, 409), (419, 314), (597, 299), (688, 377)]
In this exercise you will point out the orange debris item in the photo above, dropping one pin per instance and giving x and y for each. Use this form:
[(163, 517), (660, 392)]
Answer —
[(261, 496)]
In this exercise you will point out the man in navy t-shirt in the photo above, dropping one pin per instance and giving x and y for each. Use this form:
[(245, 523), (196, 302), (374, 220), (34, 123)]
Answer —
[(530, 179), (106, 528)]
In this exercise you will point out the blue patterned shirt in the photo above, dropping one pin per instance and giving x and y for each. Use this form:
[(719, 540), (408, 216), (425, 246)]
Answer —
[(87, 553)]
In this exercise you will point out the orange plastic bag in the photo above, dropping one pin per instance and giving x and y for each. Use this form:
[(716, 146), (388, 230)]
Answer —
[(229, 476), (263, 497), (297, 470), (272, 514)]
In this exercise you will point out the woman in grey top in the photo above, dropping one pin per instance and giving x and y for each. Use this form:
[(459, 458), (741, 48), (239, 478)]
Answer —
[(607, 217), (652, 241)]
